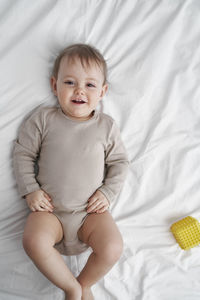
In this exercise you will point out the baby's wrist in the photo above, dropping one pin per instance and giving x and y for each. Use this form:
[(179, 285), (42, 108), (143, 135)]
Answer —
[(29, 194), (25, 196)]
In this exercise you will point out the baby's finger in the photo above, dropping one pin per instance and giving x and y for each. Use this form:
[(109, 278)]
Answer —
[(47, 196), (92, 199), (32, 208), (93, 203), (103, 209), (99, 207), (46, 208), (47, 204), (93, 207), (41, 207)]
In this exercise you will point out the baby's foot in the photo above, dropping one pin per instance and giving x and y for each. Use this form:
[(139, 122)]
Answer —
[(87, 294)]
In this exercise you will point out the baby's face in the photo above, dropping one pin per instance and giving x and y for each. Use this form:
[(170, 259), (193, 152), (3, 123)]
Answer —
[(78, 89)]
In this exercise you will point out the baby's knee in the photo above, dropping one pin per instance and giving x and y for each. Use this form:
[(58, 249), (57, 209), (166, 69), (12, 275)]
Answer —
[(112, 251)]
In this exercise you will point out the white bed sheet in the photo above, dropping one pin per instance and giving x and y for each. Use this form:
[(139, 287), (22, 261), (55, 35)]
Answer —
[(152, 49)]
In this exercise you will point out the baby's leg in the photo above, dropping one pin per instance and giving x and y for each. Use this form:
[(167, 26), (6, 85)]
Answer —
[(41, 232), (100, 232)]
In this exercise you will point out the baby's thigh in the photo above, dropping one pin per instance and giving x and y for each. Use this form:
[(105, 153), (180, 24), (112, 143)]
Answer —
[(42, 229), (100, 232)]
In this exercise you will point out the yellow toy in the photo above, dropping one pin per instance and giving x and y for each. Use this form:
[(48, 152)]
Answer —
[(186, 232)]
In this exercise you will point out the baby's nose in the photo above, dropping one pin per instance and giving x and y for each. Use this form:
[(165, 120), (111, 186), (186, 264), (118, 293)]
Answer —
[(79, 91)]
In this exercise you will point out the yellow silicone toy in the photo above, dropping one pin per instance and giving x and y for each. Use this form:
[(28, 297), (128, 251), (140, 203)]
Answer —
[(186, 232)]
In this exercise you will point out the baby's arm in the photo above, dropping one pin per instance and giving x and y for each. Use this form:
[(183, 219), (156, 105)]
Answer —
[(26, 151), (116, 164)]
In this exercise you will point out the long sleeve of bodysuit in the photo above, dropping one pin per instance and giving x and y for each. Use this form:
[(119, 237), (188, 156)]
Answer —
[(26, 151), (116, 165)]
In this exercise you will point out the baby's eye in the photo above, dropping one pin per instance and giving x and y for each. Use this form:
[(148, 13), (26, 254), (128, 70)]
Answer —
[(69, 82), (90, 85)]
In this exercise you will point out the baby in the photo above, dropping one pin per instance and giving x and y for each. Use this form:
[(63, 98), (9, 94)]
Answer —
[(82, 165)]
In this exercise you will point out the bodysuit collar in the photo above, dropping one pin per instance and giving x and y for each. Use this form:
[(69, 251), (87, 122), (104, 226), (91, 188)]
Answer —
[(94, 117)]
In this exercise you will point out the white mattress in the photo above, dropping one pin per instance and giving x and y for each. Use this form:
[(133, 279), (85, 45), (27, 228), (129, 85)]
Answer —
[(152, 49)]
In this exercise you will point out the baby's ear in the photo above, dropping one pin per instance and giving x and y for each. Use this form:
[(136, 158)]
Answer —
[(104, 90), (53, 85)]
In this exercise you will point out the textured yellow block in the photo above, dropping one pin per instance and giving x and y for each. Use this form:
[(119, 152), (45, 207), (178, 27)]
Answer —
[(186, 232)]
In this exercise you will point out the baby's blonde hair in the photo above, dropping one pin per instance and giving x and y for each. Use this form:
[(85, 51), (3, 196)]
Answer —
[(87, 55)]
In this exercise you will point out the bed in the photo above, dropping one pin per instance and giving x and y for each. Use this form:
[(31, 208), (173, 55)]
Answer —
[(152, 50)]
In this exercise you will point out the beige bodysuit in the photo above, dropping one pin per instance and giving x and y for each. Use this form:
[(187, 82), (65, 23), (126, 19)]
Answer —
[(74, 158)]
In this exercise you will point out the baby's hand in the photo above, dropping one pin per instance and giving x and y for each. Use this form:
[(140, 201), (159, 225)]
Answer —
[(98, 203), (39, 201)]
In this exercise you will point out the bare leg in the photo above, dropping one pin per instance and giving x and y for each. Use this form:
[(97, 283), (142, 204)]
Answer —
[(100, 232), (42, 231)]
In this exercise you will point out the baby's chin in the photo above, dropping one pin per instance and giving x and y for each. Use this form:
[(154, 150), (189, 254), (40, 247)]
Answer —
[(78, 117)]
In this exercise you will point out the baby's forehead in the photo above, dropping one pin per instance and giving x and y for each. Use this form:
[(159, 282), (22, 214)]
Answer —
[(86, 63)]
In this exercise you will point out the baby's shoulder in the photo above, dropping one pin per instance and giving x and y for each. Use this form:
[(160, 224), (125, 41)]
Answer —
[(43, 112), (106, 119), (39, 117)]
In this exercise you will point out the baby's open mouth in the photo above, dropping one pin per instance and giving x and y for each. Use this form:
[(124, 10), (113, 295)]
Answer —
[(78, 101)]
